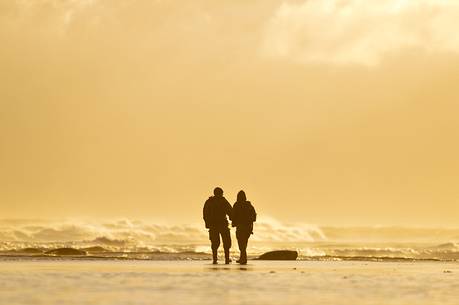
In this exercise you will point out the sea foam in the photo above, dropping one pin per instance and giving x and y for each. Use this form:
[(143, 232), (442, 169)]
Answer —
[(141, 239)]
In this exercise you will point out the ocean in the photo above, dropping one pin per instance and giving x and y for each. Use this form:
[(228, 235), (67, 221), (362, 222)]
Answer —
[(132, 262), (127, 239)]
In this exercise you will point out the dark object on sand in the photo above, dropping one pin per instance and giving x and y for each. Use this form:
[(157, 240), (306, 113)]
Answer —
[(281, 255), (29, 251), (66, 251)]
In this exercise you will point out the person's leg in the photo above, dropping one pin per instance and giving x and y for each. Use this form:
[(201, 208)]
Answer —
[(242, 239), (245, 240), (214, 237), (226, 237), (240, 244)]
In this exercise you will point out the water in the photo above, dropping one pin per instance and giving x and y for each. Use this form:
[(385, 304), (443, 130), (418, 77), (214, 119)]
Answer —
[(128, 239), (133, 262)]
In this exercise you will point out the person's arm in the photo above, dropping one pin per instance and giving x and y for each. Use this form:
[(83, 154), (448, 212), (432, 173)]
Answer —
[(229, 210), (235, 216), (205, 213)]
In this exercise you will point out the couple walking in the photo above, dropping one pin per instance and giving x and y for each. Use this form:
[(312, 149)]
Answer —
[(242, 215)]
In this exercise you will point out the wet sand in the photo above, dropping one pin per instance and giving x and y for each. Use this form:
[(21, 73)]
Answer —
[(199, 282)]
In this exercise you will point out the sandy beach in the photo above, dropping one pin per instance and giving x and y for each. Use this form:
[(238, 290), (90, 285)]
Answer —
[(33, 282)]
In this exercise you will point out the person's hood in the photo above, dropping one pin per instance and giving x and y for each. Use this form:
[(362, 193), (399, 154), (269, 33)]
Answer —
[(245, 202)]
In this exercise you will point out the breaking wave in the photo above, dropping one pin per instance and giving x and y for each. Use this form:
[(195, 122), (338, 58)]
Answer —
[(141, 240), (131, 235), (399, 252)]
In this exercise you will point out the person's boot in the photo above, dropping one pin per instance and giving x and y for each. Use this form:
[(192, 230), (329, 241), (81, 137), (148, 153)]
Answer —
[(240, 258), (214, 257), (227, 257), (243, 259)]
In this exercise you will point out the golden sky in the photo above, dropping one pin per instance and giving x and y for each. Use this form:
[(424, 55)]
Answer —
[(327, 112)]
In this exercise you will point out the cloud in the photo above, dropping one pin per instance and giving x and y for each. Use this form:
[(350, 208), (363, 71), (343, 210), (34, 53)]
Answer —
[(360, 31)]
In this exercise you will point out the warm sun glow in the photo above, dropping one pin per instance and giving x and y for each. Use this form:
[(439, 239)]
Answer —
[(327, 112)]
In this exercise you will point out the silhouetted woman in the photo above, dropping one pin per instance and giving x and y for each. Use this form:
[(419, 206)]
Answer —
[(244, 216)]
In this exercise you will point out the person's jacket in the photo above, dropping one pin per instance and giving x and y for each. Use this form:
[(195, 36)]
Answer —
[(244, 216), (215, 211)]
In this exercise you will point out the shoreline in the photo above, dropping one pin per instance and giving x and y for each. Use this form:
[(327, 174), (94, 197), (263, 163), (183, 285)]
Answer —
[(172, 257)]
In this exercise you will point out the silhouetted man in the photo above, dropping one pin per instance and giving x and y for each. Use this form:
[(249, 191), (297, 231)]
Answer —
[(244, 216), (215, 211)]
